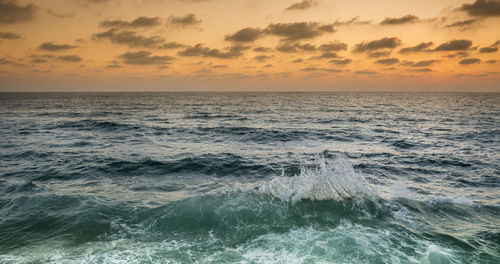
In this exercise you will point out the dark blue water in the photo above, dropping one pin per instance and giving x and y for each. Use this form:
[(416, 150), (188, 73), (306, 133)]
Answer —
[(249, 178)]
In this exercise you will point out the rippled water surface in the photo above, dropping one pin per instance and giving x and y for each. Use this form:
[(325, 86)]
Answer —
[(249, 178)]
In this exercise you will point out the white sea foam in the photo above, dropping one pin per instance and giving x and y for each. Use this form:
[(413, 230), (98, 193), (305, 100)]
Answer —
[(326, 181)]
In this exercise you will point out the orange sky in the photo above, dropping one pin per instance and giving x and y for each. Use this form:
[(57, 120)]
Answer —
[(249, 45)]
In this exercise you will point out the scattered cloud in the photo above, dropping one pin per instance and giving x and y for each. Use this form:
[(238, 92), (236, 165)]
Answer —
[(325, 55), (378, 54), (60, 15), (366, 72), (295, 47), (184, 21), (262, 49), (388, 61), (245, 35), (333, 46), (298, 30), (11, 12), (482, 8), (341, 62), (353, 21), (400, 20), (172, 45), (491, 61), (202, 51), (469, 61), (491, 48), (462, 24), (454, 45), (140, 22), (262, 58), (383, 43), (306, 4), (461, 54), (422, 63), (70, 58), (50, 46), (130, 38), (144, 58), (298, 60), (420, 47), (10, 35), (420, 70)]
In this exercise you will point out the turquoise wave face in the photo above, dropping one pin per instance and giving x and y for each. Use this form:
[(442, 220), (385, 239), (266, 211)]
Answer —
[(249, 178)]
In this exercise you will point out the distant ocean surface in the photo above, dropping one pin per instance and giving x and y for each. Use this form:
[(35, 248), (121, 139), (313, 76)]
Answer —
[(249, 178)]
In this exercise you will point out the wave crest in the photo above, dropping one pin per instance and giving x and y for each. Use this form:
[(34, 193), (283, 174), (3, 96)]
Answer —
[(325, 181)]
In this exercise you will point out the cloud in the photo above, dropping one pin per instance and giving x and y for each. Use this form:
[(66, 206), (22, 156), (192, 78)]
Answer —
[(383, 43), (50, 46), (469, 61), (299, 30), (139, 22), (491, 61), (309, 69), (202, 51), (262, 58), (60, 15), (184, 21), (366, 72), (422, 63), (172, 45), (144, 58), (325, 55), (462, 24), (353, 21), (298, 60), (421, 70), (130, 39), (341, 62), (400, 20), (11, 12), (10, 35), (460, 54), (378, 54), (306, 4), (245, 35), (295, 47), (453, 45), (262, 49), (388, 61), (70, 58), (491, 48), (482, 8), (420, 47), (333, 46)]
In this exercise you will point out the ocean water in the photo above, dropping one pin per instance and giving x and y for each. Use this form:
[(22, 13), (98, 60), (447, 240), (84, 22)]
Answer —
[(249, 178)]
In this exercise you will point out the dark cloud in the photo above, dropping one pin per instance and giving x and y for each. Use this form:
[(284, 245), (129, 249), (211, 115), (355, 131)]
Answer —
[(461, 54), (420, 70), (262, 49), (353, 21), (50, 46), (388, 61), (184, 21), (366, 72), (9, 35), (400, 20), (298, 60), (482, 8), (378, 54), (113, 65), (423, 63), (295, 47), (245, 35), (202, 51), (139, 22), (144, 58), (70, 58), (469, 61), (454, 45), (11, 12), (491, 61), (420, 47), (462, 24), (309, 69), (299, 30), (333, 46), (325, 55), (341, 62), (262, 58), (60, 15), (491, 48), (130, 39), (306, 4), (172, 45), (383, 43)]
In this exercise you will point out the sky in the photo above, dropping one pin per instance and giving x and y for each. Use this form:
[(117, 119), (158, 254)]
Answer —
[(250, 45)]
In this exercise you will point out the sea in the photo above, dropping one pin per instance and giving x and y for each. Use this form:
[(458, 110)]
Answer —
[(250, 177)]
